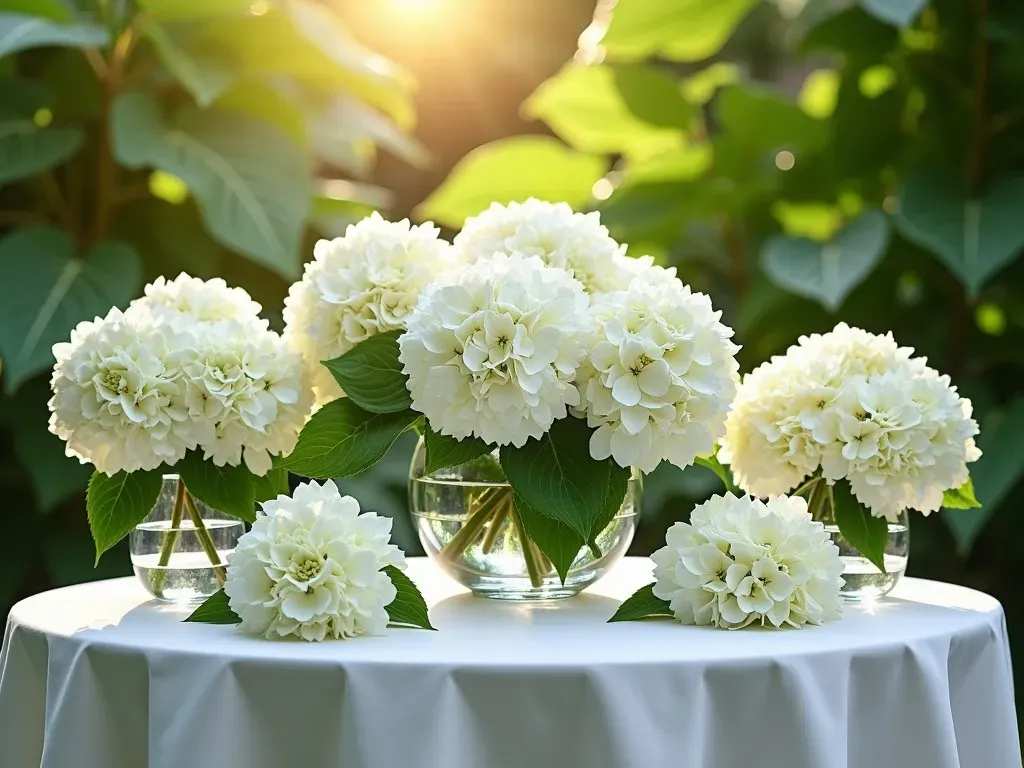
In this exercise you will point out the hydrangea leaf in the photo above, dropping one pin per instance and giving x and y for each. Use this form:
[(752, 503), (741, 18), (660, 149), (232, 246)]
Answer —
[(272, 484), (25, 147), (558, 541), (341, 439), (19, 32), (827, 272), (226, 489), (642, 604), (557, 476), (408, 609), (861, 529), (961, 498), (116, 504), (215, 610), (370, 374), (445, 451)]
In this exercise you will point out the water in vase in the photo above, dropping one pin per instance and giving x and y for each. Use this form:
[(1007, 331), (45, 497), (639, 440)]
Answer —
[(863, 580), (188, 575)]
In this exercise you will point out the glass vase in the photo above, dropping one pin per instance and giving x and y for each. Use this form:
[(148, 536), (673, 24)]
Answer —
[(466, 522), (179, 552), (864, 582)]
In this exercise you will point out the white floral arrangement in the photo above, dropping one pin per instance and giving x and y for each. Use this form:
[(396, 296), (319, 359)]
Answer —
[(858, 424), (545, 342), (312, 567), (740, 561), (187, 380)]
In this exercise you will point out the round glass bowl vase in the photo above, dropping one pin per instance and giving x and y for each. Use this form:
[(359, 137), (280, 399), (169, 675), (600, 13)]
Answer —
[(864, 582), (466, 523), (179, 552)]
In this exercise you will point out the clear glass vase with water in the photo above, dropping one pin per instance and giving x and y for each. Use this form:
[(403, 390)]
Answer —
[(179, 552)]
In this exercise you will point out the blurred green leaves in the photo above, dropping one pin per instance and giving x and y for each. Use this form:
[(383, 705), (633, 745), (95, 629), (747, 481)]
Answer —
[(26, 146), (19, 32)]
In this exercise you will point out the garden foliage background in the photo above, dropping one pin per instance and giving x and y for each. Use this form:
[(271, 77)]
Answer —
[(803, 161)]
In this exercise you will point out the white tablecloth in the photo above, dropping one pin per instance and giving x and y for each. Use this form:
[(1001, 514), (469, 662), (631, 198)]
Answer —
[(97, 676)]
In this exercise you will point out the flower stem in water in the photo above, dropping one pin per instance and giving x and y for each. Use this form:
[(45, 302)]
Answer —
[(481, 510), (495, 528), (533, 566), (204, 538), (171, 537)]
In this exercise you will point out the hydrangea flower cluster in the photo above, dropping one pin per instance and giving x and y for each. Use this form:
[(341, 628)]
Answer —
[(659, 375), (311, 567), (493, 347), (740, 561), (857, 406), (189, 366), (357, 286)]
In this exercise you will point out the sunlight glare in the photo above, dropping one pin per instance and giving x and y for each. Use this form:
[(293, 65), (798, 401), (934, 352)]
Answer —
[(415, 5)]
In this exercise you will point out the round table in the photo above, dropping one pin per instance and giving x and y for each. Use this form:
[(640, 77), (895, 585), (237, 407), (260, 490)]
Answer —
[(99, 676)]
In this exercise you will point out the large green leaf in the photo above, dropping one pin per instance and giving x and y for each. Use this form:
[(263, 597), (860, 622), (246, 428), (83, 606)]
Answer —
[(408, 609), (192, 10), (862, 38), (683, 30), (509, 170), (994, 475), (899, 12), (272, 484), (858, 526), (557, 476), (341, 439), (47, 290), (55, 10), (628, 109), (19, 32), (558, 541), (25, 147), (251, 181), (215, 610), (55, 477), (444, 451), (205, 71), (642, 604), (226, 489), (974, 237), (827, 272), (116, 504), (371, 374)]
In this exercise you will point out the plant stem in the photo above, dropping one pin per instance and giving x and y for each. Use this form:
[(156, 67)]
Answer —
[(529, 552), (487, 504), (204, 537), (171, 537), (495, 526), (820, 493)]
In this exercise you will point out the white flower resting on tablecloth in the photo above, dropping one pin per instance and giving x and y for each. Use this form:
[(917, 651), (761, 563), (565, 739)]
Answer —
[(659, 374), (136, 390), (740, 561), (576, 242), (493, 347), (855, 406), (311, 567), (357, 286)]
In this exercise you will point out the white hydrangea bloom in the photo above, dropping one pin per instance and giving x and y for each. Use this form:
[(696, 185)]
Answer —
[(857, 406), (659, 375), (311, 567), (492, 349), (193, 299), (740, 561), (576, 242), (245, 386), (357, 286), (119, 395)]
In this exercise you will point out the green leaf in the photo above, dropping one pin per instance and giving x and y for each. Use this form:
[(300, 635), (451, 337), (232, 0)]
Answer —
[(974, 237), (19, 32), (251, 181), (509, 170), (226, 489), (642, 604), (25, 147), (55, 10), (556, 476), (117, 504), (272, 484), (193, 10), (863, 531), (994, 475), (827, 272), (898, 12), (346, 133), (55, 477), (681, 30), (721, 472), (46, 291), (558, 541), (215, 610), (205, 71), (444, 451), (341, 439), (961, 498), (408, 609), (603, 109), (370, 374)]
